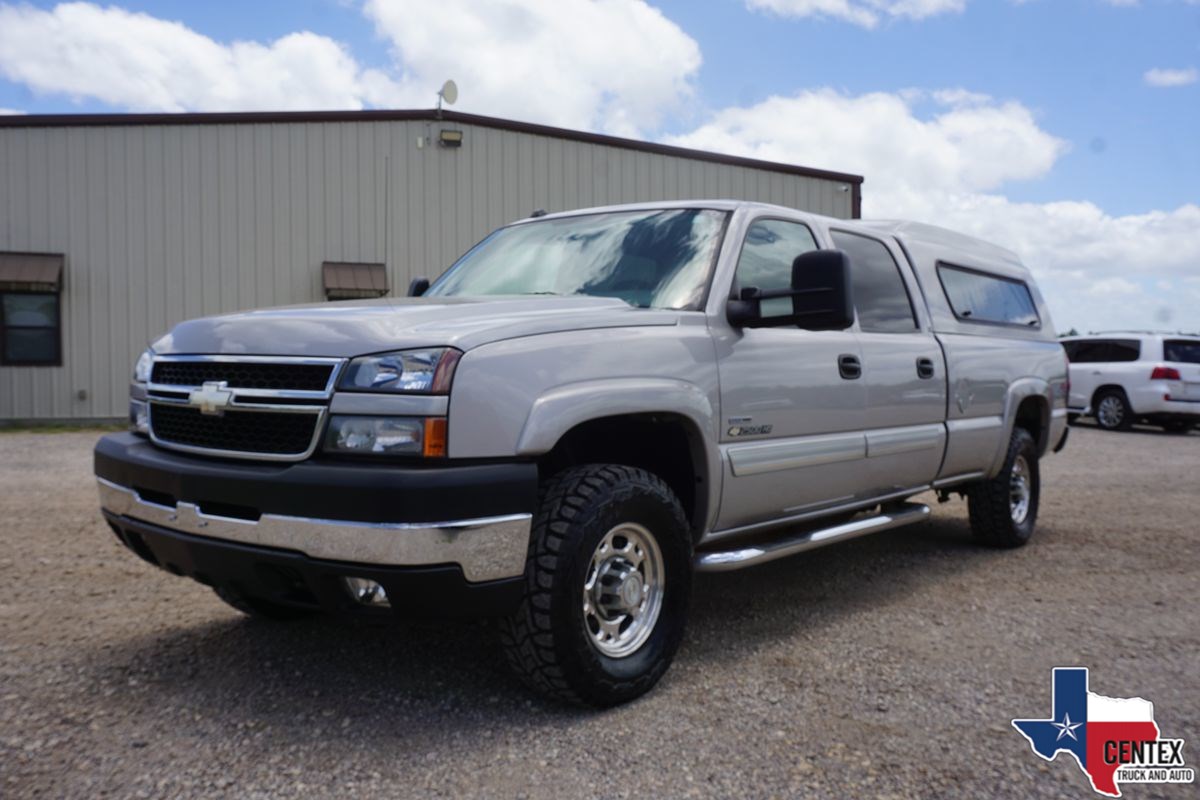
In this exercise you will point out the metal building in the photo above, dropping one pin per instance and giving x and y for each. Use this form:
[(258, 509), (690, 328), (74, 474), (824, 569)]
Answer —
[(115, 227)]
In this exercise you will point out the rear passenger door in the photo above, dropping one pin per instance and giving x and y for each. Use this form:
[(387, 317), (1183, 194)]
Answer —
[(904, 373), (1100, 362)]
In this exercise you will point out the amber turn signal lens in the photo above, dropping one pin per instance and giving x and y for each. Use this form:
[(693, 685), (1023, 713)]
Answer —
[(435, 436)]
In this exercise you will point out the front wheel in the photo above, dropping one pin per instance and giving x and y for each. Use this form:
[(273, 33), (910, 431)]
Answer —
[(1003, 509), (607, 585)]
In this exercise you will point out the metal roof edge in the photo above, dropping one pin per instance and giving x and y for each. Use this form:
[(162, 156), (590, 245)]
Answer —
[(409, 115)]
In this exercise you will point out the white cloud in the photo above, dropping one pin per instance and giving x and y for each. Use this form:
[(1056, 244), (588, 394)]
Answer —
[(139, 62), (946, 164), (1166, 78), (617, 65), (8, 112), (867, 13)]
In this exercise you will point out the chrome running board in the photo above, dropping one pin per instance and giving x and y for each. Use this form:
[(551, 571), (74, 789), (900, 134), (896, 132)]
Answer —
[(726, 560)]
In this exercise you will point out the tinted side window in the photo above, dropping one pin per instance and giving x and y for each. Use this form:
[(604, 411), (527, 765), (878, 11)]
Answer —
[(979, 297), (1181, 351), (1103, 351), (880, 298), (1124, 350), (766, 261)]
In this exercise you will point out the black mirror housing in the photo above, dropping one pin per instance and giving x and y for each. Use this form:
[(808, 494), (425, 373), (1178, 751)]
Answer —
[(417, 287), (824, 297), (821, 295)]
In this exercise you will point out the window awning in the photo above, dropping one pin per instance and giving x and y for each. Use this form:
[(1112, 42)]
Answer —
[(30, 272), (345, 280)]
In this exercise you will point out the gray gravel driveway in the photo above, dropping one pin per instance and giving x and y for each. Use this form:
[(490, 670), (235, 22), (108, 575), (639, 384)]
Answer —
[(884, 667)]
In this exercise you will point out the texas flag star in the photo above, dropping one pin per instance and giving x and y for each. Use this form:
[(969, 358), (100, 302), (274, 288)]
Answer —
[(1066, 727)]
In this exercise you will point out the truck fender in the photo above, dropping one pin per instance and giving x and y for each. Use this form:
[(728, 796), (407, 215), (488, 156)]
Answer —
[(1018, 391), (560, 409)]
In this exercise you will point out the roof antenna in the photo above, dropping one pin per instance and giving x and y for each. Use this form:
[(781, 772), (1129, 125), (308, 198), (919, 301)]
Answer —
[(449, 93)]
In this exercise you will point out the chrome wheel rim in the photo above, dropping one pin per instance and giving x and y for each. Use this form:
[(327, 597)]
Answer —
[(623, 591), (1020, 490), (1111, 412)]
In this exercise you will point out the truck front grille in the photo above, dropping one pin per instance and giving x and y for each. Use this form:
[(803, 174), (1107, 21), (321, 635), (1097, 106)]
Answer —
[(244, 375), (255, 407), (235, 431)]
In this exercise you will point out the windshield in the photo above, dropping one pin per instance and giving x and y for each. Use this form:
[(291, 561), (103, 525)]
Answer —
[(649, 259)]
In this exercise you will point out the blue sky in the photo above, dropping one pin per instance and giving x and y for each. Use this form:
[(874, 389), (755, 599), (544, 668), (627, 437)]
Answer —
[(1066, 129)]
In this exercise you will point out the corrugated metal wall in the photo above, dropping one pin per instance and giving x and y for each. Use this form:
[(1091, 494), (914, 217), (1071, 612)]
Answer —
[(160, 223)]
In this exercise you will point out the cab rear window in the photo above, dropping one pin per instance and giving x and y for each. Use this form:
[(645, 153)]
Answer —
[(981, 297), (1181, 351)]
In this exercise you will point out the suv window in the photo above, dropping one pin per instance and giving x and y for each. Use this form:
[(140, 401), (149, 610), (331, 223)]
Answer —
[(980, 297), (1103, 351), (1181, 351), (880, 299), (766, 260)]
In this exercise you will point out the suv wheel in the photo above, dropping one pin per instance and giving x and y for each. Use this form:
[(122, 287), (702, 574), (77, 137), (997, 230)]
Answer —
[(1003, 510), (1112, 410), (607, 585)]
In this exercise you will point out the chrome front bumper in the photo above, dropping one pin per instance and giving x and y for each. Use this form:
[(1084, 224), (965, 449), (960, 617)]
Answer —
[(487, 548)]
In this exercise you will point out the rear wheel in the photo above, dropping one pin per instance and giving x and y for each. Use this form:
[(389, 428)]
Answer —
[(259, 608), (1112, 410), (608, 580), (1003, 510)]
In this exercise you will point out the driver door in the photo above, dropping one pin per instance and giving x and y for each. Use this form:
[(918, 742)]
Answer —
[(791, 409)]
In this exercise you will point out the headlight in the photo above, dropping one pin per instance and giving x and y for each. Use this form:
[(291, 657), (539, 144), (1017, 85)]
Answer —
[(427, 371), (141, 370), (418, 436)]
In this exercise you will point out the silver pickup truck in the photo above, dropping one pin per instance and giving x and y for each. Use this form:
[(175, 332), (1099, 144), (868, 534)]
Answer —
[(582, 412)]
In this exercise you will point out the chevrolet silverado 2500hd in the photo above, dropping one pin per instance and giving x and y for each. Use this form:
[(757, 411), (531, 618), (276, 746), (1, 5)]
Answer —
[(583, 411)]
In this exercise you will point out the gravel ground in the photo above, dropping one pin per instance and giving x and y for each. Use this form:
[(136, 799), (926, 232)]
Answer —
[(884, 667)]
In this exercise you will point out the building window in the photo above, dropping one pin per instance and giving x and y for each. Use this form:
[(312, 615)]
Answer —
[(344, 280), (30, 314)]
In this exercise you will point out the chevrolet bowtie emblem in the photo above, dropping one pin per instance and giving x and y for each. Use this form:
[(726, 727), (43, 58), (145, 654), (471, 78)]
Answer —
[(211, 398)]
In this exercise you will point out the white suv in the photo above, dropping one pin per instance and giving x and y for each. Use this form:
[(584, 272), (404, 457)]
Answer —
[(1121, 378)]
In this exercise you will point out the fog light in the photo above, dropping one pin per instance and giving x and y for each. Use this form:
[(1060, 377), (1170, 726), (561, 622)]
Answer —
[(375, 435), (367, 592), (139, 416)]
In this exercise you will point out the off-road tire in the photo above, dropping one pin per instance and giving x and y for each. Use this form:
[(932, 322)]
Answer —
[(261, 609), (545, 641), (990, 502), (1126, 413)]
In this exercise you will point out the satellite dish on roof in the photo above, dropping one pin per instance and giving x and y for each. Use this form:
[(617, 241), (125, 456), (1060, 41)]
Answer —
[(449, 93)]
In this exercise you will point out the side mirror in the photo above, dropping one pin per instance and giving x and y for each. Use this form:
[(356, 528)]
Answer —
[(821, 296), (417, 287)]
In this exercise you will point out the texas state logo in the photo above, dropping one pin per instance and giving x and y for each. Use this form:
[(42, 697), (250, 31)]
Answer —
[(1114, 740)]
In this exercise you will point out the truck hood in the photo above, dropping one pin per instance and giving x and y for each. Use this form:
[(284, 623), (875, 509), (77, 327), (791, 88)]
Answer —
[(352, 328)]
